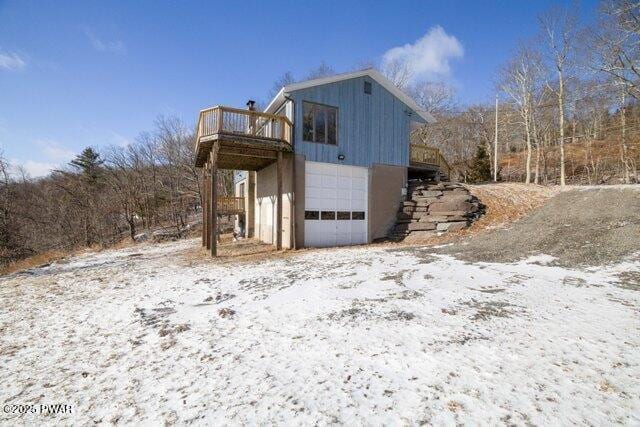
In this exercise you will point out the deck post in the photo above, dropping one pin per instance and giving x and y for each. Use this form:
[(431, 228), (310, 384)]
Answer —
[(204, 203), (279, 202), (214, 201), (208, 167)]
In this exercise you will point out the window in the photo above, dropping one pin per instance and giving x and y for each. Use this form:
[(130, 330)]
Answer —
[(367, 88), (357, 215), (344, 215), (328, 215), (311, 215), (319, 123), (241, 190)]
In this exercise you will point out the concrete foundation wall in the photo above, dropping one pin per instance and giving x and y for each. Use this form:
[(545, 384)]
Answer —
[(385, 195)]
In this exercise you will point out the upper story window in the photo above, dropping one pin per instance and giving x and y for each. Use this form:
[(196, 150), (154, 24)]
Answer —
[(319, 123), (367, 87)]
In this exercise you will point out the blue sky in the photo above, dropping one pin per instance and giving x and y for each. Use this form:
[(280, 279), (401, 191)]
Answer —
[(74, 74)]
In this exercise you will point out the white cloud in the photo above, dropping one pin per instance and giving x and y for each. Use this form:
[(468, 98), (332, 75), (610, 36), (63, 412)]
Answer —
[(12, 61), (55, 152), (428, 57), (55, 156), (32, 168), (111, 46)]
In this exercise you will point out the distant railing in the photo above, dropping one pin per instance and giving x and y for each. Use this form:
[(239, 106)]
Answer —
[(425, 155), (234, 121), (230, 205)]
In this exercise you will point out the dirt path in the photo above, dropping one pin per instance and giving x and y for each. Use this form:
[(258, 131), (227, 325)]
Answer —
[(580, 227)]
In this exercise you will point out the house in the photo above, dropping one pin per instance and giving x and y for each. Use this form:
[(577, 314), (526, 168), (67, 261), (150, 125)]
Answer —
[(326, 163)]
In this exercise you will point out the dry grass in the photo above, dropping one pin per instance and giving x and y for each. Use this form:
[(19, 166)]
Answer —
[(508, 202), (57, 254), (34, 261), (245, 250)]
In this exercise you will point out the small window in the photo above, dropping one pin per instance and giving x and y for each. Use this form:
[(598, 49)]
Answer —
[(328, 215), (344, 215), (367, 88), (311, 214), (319, 123), (358, 215)]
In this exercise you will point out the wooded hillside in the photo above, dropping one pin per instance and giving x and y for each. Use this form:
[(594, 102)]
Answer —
[(567, 104)]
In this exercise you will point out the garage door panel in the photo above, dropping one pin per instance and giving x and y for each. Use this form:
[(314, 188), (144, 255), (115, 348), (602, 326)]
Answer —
[(358, 205), (335, 188), (343, 194), (343, 205), (327, 193), (358, 227), (359, 183), (313, 180), (329, 181), (358, 195), (343, 182)]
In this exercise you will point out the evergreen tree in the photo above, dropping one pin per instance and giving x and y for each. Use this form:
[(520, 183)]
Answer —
[(88, 163), (480, 169)]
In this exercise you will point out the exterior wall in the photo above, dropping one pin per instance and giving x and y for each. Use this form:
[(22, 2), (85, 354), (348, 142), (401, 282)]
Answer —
[(299, 200), (249, 182), (385, 195), (266, 206), (371, 128), (236, 193)]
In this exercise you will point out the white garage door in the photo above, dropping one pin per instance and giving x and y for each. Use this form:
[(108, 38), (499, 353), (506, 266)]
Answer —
[(335, 205)]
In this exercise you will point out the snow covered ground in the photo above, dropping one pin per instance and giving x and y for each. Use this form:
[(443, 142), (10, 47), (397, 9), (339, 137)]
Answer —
[(368, 335)]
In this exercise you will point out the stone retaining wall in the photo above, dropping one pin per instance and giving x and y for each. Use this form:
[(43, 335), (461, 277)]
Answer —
[(433, 208)]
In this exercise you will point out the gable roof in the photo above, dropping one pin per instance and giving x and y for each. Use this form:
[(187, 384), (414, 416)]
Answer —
[(370, 72)]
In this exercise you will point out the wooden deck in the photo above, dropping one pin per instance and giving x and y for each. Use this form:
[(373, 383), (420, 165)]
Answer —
[(421, 155), (230, 138), (246, 140)]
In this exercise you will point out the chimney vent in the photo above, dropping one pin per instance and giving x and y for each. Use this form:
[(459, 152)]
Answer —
[(251, 105)]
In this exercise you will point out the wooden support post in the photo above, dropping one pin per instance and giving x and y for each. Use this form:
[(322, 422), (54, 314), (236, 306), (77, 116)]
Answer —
[(214, 201), (205, 203), (279, 202)]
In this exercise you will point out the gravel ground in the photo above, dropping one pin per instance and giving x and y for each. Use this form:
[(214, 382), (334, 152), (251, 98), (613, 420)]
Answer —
[(580, 227)]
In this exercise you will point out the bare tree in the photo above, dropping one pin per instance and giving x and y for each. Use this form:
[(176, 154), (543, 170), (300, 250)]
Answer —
[(322, 70), (559, 29), (520, 79), (397, 72), (616, 43), (436, 98), (282, 81)]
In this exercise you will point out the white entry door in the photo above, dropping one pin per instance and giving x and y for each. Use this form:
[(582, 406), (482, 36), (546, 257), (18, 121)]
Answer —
[(336, 199)]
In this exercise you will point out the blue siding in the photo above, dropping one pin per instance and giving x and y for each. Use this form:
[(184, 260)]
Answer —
[(239, 176), (371, 128)]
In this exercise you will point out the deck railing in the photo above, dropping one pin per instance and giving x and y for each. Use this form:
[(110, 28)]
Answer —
[(230, 205), (425, 155), (234, 121)]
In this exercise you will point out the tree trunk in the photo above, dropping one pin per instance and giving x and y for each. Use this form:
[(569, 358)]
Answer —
[(132, 227), (561, 117), (528, 163), (624, 155), (536, 178)]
